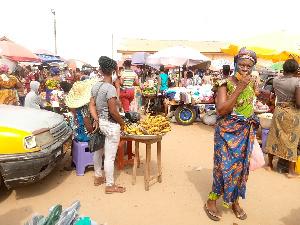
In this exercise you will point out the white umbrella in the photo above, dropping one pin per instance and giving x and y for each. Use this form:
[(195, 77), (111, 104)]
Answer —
[(11, 64), (218, 64), (177, 56)]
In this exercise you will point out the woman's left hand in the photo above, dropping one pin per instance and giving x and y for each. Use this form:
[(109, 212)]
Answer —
[(95, 126)]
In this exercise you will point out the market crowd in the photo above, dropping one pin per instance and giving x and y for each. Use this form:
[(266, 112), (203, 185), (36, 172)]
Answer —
[(95, 97)]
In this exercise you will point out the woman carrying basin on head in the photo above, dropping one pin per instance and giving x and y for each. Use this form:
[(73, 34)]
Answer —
[(234, 137)]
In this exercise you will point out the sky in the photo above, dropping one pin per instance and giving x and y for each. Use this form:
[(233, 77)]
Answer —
[(91, 28)]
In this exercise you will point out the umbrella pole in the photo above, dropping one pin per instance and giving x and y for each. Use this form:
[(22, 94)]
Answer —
[(178, 77), (279, 64)]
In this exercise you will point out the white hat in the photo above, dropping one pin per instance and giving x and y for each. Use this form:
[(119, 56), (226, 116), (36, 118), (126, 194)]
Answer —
[(80, 93)]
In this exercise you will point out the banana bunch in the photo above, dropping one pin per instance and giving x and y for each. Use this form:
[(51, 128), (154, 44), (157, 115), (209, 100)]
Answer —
[(153, 125)]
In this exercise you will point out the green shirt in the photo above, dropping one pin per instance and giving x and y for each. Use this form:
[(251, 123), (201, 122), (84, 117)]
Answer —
[(244, 103)]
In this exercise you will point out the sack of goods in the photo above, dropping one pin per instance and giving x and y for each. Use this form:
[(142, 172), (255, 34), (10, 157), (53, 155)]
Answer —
[(210, 117)]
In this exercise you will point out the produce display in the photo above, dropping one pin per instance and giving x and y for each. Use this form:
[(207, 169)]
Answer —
[(265, 120), (149, 90), (259, 106), (266, 115), (153, 125)]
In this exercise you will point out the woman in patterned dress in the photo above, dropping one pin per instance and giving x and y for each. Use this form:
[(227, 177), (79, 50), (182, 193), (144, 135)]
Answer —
[(285, 128), (234, 136), (8, 86)]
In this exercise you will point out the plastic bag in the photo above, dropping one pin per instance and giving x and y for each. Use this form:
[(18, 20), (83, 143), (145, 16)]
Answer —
[(210, 117), (133, 106), (69, 214), (257, 157)]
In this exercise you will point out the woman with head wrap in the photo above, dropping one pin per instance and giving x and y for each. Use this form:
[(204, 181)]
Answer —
[(284, 131), (51, 84), (234, 137), (104, 110), (33, 98), (8, 86)]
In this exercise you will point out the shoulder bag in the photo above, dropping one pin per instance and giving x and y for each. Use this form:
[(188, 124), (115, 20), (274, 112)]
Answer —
[(97, 140)]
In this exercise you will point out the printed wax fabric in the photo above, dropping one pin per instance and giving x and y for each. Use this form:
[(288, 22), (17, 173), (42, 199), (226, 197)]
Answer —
[(51, 84), (81, 133), (284, 132), (8, 94), (234, 138)]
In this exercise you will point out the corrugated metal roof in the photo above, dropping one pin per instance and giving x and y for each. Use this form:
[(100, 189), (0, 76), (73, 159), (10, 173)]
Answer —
[(143, 45)]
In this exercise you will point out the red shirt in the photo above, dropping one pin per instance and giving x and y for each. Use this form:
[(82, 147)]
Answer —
[(30, 77)]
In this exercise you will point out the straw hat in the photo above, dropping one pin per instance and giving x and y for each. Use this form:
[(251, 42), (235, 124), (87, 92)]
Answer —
[(80, 93)]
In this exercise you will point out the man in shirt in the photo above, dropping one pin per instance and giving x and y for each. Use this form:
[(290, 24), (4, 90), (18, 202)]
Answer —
[(128, 80)]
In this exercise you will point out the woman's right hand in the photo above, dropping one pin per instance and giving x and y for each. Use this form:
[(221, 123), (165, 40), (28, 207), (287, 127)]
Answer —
[(244, 82), (122, 125)]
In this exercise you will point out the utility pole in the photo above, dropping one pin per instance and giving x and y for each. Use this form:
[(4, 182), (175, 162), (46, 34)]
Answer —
[(53, 12), (112, 45)]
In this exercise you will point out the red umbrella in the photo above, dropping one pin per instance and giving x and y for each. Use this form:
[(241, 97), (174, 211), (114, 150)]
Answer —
[(16, 52)]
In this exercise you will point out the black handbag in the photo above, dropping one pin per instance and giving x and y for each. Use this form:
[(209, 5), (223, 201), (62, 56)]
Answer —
[(97, 141)]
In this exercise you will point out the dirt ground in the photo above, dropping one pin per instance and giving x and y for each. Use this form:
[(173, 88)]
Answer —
[(271, 199)]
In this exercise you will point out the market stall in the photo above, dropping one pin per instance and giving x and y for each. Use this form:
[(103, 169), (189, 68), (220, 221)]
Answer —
[(185, 103), (149, 131)]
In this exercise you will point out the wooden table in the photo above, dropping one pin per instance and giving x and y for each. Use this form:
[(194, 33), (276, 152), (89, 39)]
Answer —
[(148, 143), (149, 97)]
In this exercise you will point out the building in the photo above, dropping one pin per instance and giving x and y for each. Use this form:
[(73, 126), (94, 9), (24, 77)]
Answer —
[(211, 49)]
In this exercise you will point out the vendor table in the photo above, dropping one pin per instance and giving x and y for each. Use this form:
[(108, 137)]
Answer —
[(149, 98), (148, 142)]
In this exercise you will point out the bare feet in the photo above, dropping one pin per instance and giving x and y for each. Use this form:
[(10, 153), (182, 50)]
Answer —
[(269, 168), (293, 175), (99, 180)]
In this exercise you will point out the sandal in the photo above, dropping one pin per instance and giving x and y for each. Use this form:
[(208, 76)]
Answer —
[(240, 214), (212, 214), (114, 189), (99, 180)]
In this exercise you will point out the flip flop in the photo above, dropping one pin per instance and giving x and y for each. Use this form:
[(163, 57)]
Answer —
[(115, 189), (210, 215), (243, 217)]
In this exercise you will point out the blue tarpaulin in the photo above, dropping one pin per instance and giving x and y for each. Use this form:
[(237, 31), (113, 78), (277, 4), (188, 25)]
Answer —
[(49, 58)]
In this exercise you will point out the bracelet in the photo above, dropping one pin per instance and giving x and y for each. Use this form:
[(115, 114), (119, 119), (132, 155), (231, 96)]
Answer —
[(96, 121)]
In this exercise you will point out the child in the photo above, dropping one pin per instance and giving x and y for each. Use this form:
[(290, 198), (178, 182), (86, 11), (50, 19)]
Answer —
[(135, 105)]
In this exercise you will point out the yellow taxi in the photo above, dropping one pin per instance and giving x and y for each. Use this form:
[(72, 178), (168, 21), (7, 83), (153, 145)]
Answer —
[(32, 143)]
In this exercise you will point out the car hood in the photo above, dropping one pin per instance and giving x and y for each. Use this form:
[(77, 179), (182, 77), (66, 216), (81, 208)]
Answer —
[(28, 119)]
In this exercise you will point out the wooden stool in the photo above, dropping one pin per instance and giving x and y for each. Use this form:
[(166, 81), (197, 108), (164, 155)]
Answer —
[(148, 160), (121, 155)]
